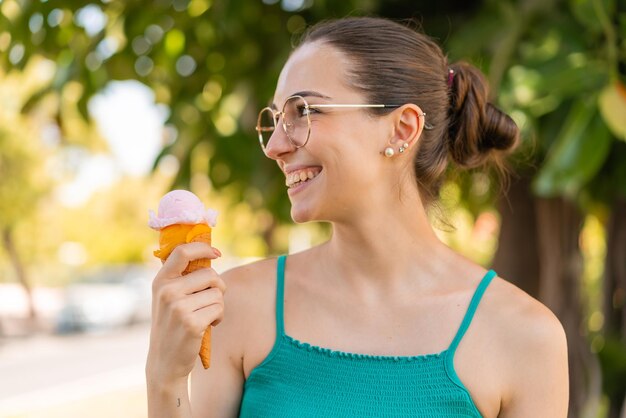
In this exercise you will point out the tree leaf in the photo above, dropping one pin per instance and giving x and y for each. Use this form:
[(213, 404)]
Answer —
[(585, 12), (577, 154), (612, 104)]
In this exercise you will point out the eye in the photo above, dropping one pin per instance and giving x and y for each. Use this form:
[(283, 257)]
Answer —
[(302, 110)]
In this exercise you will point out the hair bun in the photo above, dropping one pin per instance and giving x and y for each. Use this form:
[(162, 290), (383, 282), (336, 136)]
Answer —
[(476, 126)]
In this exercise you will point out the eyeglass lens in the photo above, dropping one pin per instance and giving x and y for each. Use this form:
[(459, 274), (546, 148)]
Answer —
[(295, 122)]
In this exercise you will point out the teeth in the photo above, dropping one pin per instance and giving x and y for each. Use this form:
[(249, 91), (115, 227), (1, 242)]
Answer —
[(302, 176)]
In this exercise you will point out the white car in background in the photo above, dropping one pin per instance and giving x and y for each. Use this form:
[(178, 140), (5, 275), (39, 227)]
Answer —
[(111, 297)]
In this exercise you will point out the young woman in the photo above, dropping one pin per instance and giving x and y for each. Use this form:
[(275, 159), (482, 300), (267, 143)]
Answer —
[(383, 319)]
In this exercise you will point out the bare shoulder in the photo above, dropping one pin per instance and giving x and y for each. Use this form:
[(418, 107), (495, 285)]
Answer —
[(249, 292), (249, 287), (251, 303), (522, 313), (522, 318), (252, 276), (249, 273), (532, 351), (217, 391)]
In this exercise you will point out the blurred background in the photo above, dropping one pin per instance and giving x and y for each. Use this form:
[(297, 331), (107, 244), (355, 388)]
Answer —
[(106, 105)]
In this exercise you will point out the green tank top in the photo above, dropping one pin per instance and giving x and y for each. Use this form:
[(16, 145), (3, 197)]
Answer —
[(297, 379)]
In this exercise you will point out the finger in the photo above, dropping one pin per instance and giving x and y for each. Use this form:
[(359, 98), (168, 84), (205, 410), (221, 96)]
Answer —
[(175, 292), (212, 315), (203, 299), (196, 312), (184, 309), (202, 279), (178, 260)]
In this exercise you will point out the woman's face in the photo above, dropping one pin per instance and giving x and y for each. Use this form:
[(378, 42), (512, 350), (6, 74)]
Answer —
[(342, 161)]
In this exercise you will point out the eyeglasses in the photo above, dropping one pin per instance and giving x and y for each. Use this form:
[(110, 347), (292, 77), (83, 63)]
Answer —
[(296, 122)]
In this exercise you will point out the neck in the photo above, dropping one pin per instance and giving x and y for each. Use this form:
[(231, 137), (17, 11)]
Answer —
[(385, 250)]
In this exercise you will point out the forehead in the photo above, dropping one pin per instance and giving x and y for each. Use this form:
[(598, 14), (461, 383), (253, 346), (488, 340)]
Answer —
[(315, 67)]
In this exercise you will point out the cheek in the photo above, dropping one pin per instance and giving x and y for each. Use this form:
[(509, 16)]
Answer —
[(345, 138), (349, 150)]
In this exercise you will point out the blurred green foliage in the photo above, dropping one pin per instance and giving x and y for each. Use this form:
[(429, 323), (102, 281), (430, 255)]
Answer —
[(554, 64), (20, 169), (613, 361), (557, 66), (214, 63)]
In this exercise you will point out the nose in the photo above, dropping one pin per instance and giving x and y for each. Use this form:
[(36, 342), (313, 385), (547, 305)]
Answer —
[(278, 144)]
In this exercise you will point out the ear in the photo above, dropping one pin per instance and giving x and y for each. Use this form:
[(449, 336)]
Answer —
[(408, 123)]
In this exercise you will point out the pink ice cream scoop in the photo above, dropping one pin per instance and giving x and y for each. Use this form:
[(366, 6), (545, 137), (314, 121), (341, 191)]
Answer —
[(181, 207)]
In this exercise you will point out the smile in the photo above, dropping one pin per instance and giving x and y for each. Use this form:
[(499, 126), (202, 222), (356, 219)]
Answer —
[(301, 176)]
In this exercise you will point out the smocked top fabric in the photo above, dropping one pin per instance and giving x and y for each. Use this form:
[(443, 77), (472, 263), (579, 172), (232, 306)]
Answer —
[(297, 379)]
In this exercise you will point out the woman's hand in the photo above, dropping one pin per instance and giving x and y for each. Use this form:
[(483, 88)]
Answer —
[(182, 308)]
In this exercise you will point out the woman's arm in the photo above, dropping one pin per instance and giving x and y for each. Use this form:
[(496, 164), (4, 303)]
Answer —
[(182, 308), (168, 399), (538, 375), (216, 392)]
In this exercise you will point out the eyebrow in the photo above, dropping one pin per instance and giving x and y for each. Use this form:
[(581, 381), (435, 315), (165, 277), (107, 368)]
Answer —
[(306, 93)]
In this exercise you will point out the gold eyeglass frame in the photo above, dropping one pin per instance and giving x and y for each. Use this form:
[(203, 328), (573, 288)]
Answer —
[(277, 114)]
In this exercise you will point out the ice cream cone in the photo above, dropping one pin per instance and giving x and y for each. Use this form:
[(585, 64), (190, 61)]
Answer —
[(205, 347), (183, 219), (202, 262)]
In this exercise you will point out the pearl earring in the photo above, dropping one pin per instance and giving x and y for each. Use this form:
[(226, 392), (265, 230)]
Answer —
[(403, 147), (389, 152)]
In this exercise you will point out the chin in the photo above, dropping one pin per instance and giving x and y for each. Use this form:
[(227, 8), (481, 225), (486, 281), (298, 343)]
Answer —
[(301, 213), (301, 216)]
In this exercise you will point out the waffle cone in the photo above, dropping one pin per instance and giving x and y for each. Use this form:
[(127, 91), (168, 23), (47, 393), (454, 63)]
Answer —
[(205, 347)]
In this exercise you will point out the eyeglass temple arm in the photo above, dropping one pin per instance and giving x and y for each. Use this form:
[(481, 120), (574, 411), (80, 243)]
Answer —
[(427, 125), (353, 105)]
